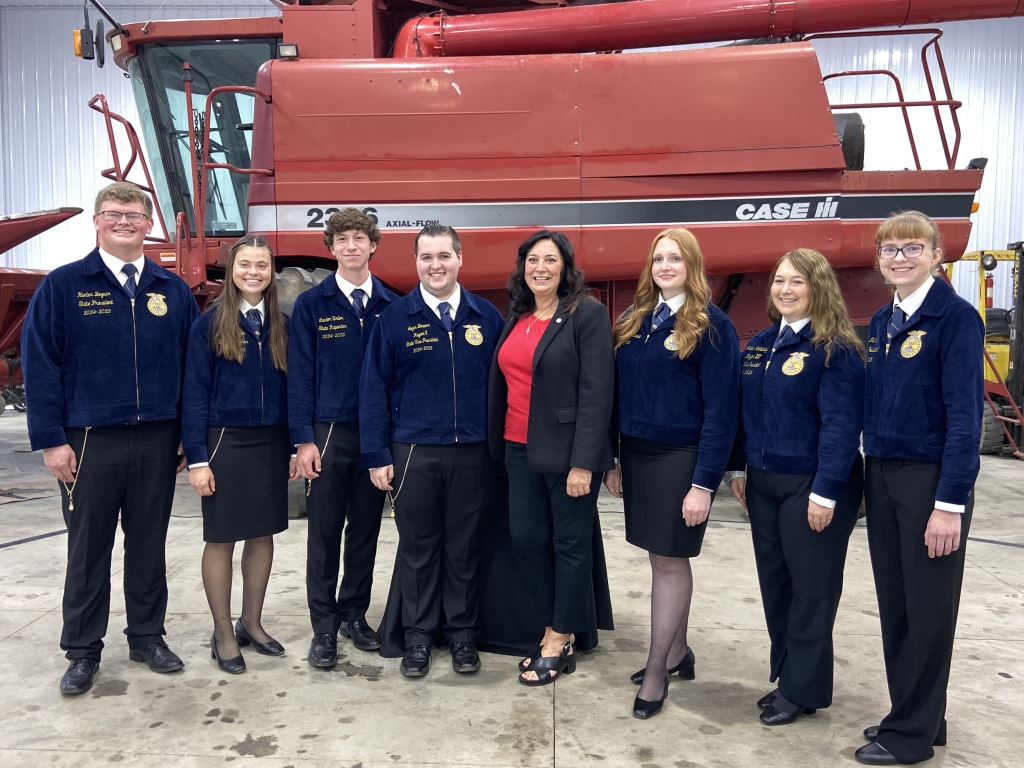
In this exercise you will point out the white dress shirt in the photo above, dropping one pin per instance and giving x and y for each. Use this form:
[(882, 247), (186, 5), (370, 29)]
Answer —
[(114, 264), (674, 304), (433, 302), (347, 287), (910, 305)]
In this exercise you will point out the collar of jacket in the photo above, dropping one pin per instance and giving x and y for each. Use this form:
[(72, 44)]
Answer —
[(467, 303), (934, 305), (807, 332), (329, 288), (558, 321), (94, 266)]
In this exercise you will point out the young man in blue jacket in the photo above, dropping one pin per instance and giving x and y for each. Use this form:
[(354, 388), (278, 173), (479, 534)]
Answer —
[(104, 349), (423, 423), (330, 327)]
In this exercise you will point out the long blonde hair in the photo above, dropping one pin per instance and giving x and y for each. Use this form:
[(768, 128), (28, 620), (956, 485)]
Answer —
[(225, 330), (830, 319), (692, 319)]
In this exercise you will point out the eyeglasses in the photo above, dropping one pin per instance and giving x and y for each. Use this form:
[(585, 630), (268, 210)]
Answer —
[(115, 216), (912, 251)]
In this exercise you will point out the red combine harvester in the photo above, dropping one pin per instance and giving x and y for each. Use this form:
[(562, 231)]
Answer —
[(494, 118)]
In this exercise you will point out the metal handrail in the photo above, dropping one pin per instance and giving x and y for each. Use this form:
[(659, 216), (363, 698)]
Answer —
[(116, 173), (902, 103)]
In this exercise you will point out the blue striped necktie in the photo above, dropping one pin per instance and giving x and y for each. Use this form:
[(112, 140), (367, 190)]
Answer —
[(130, 285), (357, 302), (661, 314), (255, 321), (446, 315), (786, 335)]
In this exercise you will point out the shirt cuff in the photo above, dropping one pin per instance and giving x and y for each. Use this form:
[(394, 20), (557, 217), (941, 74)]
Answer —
[(199, 464), (734, 474), (946, 507), (703, 488), (822, 501)]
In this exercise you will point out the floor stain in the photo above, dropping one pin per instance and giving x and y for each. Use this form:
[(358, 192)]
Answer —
[(215, 695), (635, 595), (644, 754), (198, 683), (115, 758), (110, 688), (346, 719), (261, 746), (369, 671), (710, 730)]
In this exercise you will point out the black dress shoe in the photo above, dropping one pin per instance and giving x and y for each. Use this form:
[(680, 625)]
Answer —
[(766, 701), (364, 638), (871, 733), (875, 754), (684, 668), (159, 657), (272, 648), (416, 661), (465, 659), (78, 677), (323, 651), (643, 709), (784, 712), (233, 666)]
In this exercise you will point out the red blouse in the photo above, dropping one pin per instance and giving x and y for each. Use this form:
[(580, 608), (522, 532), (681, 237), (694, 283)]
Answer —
[(515, 359)]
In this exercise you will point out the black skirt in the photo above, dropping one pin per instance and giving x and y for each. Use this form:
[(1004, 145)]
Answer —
[(250, 475), (655, 479)]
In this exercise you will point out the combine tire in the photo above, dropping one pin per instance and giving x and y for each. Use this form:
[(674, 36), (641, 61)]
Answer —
[(850, 129), (992, 436)]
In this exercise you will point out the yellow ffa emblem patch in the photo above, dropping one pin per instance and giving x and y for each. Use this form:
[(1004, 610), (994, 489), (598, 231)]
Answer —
[(913, 344), (671, 344), (473, 335), (795, 364), (156, 304)]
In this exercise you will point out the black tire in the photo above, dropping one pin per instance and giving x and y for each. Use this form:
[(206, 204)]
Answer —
[(992, 435), (850, 129)]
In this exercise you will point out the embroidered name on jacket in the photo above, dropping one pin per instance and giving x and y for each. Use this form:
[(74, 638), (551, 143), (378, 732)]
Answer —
[(331, 327), (752, 357), (95, 302), (421, 340)]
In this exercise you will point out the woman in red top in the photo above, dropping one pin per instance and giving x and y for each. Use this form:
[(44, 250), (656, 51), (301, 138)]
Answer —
[(550, 401)]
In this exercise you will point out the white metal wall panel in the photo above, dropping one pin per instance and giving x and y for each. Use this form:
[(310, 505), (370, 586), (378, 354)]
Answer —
[(52, 147)]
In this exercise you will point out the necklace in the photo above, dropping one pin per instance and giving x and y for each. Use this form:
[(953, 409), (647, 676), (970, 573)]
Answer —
[(534, 320)]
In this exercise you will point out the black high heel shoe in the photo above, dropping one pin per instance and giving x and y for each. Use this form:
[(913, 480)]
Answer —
[(548, 668), (684, 668), (235, 666), (643, 709), (273, 648)]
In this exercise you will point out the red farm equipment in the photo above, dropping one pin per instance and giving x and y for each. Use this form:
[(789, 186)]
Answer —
[(494, 117)]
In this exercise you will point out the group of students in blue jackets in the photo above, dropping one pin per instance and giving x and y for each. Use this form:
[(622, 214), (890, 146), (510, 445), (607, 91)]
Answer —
[(128, 383)]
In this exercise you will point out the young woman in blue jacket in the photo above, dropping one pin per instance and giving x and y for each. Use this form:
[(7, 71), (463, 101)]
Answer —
[(235, 434), (802, 389), (922, 426), (677, 369)]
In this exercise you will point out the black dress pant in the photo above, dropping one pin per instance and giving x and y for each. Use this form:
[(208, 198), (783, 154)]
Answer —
[(125, 471), (342, 492), (918, 600), (801, 576), (440, 494), (553, 536)]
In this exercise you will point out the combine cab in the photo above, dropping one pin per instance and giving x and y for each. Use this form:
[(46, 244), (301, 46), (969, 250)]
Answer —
[(500, 123)]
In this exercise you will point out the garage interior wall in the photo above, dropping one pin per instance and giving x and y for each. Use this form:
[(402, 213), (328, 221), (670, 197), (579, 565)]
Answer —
[(52, 147)]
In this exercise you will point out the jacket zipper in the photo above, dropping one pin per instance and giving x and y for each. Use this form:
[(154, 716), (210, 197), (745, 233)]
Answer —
[(135, 340), (263, 414), (455, 395)]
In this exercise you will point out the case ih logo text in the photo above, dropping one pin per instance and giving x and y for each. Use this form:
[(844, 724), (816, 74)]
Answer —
[(796, 210)]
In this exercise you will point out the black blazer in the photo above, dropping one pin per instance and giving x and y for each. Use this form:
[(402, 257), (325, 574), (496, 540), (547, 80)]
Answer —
[(572, 394)]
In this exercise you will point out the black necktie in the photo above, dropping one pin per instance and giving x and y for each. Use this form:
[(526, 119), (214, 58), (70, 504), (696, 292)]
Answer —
[(130, 285), (255, 321), (786, 335), (661, 314), (446, 315), (357, 302)]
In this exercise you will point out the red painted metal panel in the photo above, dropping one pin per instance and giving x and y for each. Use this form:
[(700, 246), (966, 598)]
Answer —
[(19, 227), (709, 111)]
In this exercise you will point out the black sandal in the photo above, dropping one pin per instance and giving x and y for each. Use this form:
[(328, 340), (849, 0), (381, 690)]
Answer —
[(525, 663), (548, 668)]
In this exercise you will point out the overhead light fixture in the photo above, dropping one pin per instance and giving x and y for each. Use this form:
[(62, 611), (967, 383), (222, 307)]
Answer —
[(287, 51)]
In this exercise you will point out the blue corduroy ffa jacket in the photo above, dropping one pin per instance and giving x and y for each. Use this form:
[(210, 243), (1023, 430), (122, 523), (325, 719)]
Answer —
[(93, 357), (799, 415), (222, 393), (924, 399), (420, 386), (690, 403), (326, 347)]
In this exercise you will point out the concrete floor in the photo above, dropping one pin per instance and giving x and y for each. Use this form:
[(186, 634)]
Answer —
[(364, 713)]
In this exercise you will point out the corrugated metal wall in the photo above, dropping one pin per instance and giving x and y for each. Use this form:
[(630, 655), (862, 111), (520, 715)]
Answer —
[(52, 147)]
